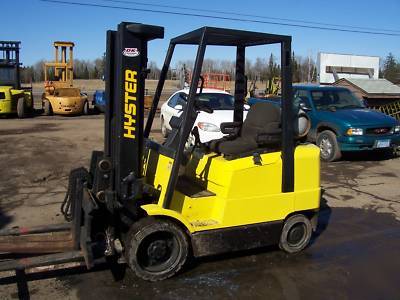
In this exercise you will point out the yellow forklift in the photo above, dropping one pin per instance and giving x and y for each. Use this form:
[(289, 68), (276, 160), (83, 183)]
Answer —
[(60, 96), (155, 205), (13, 98)]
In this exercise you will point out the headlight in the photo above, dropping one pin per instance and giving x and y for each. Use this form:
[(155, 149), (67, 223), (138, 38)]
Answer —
[(397, 129), (354, 131), (208, 127)]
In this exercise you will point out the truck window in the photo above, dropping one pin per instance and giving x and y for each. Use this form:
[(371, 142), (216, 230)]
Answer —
[(338, 99), (301, 96)]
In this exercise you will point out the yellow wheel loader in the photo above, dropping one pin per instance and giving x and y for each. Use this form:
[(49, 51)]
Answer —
[(155, 205), (60, 96)]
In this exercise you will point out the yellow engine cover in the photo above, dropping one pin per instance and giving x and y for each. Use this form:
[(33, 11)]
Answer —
[(237, 192)]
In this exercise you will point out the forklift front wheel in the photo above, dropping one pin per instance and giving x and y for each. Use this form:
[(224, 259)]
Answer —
[(48, 110), (296, 234), (21, 108), (156, 249), (85, 108)]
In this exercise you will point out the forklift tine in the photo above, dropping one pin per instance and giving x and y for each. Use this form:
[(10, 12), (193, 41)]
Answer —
[(43, 260)]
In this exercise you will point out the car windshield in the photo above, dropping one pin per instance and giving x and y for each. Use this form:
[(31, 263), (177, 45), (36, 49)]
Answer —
[(216, 101), (335, 99)]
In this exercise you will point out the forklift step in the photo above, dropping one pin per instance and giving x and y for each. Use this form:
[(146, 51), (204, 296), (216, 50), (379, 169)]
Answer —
[(192, 188)]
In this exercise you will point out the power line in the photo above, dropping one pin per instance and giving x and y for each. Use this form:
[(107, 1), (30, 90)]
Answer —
[(219, 17), (250, 15)]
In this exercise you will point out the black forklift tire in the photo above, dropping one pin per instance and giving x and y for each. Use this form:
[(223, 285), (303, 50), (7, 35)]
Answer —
[(156, 249), (296, 234), (21, 108), (164, 130), (86, 108), (48, 110), (327, 142)]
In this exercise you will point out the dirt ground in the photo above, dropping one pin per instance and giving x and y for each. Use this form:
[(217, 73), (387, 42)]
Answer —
[(354, 253)]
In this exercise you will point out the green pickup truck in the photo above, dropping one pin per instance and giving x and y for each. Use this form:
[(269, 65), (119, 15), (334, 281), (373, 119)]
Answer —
[(340, 122)]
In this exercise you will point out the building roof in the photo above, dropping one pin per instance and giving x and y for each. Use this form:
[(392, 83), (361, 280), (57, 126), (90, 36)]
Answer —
[(374, 86)]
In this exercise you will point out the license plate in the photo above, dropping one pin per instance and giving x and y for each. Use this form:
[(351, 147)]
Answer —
[(382, 144)]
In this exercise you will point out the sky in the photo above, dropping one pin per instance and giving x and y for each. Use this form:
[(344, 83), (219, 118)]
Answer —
[(39, 23)]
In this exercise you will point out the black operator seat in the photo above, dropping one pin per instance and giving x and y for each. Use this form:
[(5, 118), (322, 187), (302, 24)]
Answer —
[(261, 129)]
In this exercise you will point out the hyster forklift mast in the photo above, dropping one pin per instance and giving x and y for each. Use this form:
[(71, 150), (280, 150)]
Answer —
[(63, 65), (126, 72), (153, 204)]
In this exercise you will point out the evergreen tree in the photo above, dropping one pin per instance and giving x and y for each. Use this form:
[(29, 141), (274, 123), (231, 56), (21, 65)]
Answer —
[(85, 73), (391, 69)]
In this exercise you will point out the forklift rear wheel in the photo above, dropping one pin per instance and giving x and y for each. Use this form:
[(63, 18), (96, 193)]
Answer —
[(21, 108), (156, 249), (296, 234), (48, 110), (86, 108)]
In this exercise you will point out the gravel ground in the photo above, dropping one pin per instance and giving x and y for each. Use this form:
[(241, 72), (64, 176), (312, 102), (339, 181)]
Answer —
[(357, 238)]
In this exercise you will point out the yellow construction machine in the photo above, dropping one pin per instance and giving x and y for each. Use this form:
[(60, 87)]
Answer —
[(60, 96), (156, 205)]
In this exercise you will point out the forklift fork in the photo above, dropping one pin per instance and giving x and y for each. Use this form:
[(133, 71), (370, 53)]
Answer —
[(66, 242)]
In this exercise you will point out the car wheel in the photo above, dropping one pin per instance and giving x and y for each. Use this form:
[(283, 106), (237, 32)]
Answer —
[(156, 249), (296, 234), (328, 145), (164, 130)]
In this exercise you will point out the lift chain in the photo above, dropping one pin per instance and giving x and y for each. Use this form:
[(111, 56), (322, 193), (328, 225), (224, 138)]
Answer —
[(67, 206)]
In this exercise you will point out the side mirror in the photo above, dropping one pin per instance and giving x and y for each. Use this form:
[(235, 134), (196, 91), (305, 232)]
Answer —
[(178, 107), (246, 107), (304, 106)]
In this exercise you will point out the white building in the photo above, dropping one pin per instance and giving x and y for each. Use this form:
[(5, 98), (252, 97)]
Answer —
[(332, 66)]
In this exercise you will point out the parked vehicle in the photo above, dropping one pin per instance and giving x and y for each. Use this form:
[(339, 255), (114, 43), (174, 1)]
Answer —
[(340, 122), (13, 98), (208, 124), (60, 96), (274, 100), (99, 101)]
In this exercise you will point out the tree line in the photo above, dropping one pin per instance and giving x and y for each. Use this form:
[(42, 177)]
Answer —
[(261, 69)]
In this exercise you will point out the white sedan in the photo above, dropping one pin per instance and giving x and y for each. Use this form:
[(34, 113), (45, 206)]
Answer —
[(221, 102)]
